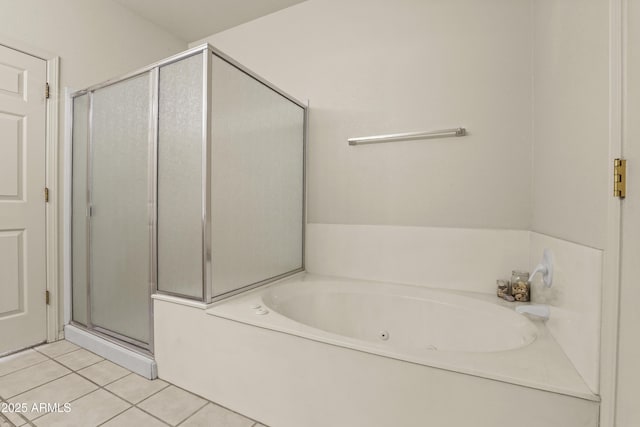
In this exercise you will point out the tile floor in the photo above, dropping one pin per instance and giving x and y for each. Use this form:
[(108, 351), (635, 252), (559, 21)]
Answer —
[(99, 393)]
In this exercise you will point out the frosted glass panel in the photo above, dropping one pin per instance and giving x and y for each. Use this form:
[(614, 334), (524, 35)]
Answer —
[(79, 209), (180, 131), (257, 180), (120, 230)]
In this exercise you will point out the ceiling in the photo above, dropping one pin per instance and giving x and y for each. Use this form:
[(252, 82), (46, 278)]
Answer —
[(191, 20)]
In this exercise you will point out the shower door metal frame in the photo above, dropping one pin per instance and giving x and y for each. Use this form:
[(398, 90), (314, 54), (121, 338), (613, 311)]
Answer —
[(145, 348), (209, 281), (207, 52)]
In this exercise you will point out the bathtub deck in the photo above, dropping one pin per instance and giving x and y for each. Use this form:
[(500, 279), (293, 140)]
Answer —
[(287, 381), (541, 365)]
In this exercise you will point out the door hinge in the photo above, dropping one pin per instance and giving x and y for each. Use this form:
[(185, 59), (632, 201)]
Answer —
[(46, 297), (46, 194), (47, 92), (619, 178)]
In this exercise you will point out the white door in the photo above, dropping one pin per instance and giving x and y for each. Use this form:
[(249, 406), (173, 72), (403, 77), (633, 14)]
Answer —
[(22, 206), (627, 408)]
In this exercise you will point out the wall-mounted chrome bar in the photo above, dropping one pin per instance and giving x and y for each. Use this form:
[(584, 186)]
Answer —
[(405, 136)]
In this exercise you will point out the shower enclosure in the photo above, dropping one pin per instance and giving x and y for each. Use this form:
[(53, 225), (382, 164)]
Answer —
[(188, 180)]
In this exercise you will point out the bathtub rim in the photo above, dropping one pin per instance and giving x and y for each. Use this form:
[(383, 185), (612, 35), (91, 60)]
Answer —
[(420, 293), (225, 309)]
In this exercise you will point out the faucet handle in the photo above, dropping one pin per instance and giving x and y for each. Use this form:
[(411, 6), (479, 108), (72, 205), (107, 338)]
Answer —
[(545, 268)]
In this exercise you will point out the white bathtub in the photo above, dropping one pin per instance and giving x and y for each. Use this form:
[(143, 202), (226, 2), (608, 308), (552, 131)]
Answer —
[(318, 351), (407, 321)]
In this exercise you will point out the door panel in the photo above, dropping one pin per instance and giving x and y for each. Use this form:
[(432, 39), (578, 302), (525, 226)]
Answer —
[(11, 264), (120, 203), (11, 162), (22, 205), (12, 80)]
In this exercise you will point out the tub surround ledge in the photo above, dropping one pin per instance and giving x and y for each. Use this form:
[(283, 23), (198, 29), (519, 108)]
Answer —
[(284, 380), (541, 364)]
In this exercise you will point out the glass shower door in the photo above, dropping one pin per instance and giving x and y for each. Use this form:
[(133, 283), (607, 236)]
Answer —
[(121, 209), (257, 181)]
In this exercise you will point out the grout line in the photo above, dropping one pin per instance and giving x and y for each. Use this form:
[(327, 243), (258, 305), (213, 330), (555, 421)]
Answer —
[(30, 422), (77, 371), (115, 415), (115, 381), (39, 385), (153, 416), (70, 401), (31, 347), (204, 398), (33, 388), (65, 354), (70, 373), (103, 387), (152, 394), (135, 406), (6, 419), (80, 369), (23, 368), (92, 382), (18, 414), (109, 383), (191, 415), (58, 355)]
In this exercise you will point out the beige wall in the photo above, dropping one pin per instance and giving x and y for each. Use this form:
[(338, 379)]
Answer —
[(628, 410), (571, 122), (374, 67), (528, 78), (96, 40)]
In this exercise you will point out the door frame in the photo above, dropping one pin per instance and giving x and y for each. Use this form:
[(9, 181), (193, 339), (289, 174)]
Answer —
[(612, 253), (53, 326)]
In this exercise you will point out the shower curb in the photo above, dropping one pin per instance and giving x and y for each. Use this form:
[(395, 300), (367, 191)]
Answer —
[(140, 364)]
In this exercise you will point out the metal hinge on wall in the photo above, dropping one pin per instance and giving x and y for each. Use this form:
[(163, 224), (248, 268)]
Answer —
[(46, 297), (46, 194), (619, 178), (47, 93)]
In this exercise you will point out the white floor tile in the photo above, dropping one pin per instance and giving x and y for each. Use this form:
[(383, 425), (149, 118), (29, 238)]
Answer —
[(62, 390), (20, 360), (57, 348), (134, 417), (25, 379), (134, 388), (88, 411), (104, 372), (172, 405), (100, 393), (214, 415), (78, 359), (14, 419)]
